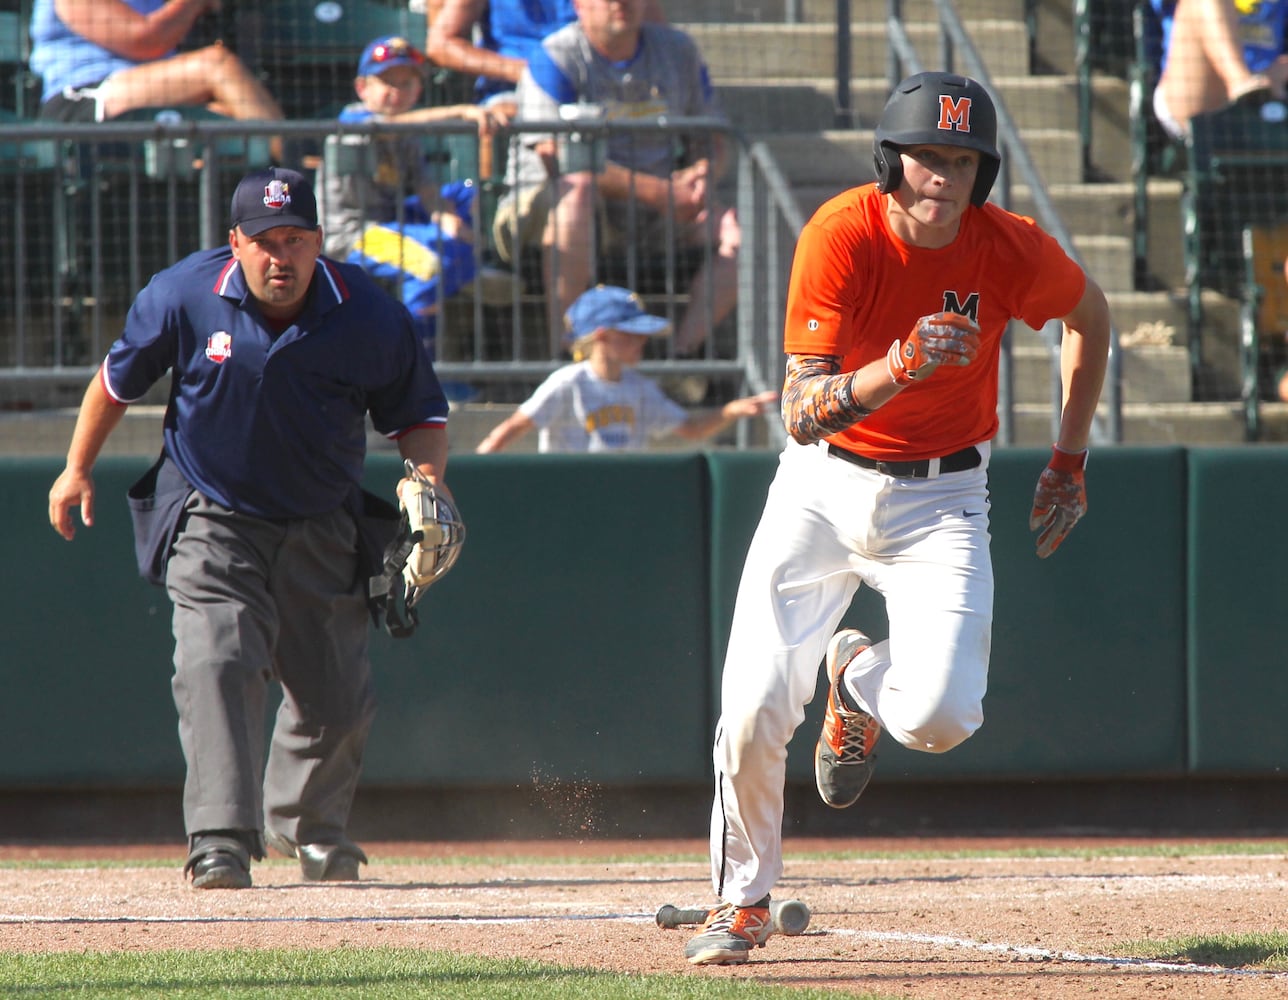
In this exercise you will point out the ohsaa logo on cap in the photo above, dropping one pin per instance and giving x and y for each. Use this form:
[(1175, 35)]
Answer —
[(277, 195), (219, 347)]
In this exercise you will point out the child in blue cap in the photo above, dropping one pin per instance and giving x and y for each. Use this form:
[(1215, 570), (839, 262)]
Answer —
[(396, 222), (600, 402)]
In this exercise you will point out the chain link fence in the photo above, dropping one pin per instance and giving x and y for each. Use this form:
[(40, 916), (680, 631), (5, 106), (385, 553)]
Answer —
[(1160, 224)]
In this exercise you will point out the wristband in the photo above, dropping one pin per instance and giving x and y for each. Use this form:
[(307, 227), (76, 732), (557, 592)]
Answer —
[(850, 405), (1068, 461), (899, 373)]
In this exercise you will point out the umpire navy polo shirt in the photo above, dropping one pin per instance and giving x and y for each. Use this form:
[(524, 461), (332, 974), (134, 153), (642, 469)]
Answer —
[(265, 423)]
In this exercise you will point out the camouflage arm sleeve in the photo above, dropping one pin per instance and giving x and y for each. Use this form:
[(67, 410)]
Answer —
[(818, 400)]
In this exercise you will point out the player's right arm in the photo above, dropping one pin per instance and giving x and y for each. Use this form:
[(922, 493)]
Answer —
[(820, 400), (74, 487)]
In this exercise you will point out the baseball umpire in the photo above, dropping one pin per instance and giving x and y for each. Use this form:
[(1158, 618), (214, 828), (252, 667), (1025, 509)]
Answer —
[(254, 520), (900, 293)]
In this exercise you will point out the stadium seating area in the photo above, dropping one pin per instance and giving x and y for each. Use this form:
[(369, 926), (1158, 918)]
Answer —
[(1070, 74)]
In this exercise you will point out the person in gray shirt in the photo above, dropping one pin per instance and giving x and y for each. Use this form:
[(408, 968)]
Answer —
[(613, 62)]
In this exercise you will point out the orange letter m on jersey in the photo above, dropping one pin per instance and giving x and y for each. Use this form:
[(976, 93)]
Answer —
[(954, 114)]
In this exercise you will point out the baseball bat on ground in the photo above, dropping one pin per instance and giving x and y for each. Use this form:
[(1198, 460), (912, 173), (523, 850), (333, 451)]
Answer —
[(788, 916)]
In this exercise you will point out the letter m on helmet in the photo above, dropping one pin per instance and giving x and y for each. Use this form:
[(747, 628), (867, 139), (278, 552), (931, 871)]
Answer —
[(954, 115)]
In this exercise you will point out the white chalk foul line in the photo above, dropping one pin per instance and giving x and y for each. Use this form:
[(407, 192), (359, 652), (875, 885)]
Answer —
[(1047, 955), (938, 940), (12, 919)]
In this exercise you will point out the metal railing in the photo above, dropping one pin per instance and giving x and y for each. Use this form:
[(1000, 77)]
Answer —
[(95, 210), (89, 229)]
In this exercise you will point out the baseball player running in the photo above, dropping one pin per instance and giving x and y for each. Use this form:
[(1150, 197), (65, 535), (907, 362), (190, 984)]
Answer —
[(899, 295), (255, 521)]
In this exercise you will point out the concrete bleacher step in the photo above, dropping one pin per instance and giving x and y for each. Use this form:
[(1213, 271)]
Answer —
[(1108, 259), (1092, 209), (47, 433), (824, 11), (1114, 206), (809, 50), (1151, 374), (1166, 423), (767, 104), (1159, 317), (1031, 101), (1087, 209), (843, 157), (794, 104)]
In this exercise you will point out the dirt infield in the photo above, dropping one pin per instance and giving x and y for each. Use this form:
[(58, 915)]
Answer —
[(921, 928)]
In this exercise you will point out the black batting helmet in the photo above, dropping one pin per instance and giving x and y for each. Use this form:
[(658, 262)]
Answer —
[(940, 109)]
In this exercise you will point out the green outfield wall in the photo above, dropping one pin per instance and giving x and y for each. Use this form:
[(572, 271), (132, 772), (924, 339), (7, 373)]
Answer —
[(581, 635)]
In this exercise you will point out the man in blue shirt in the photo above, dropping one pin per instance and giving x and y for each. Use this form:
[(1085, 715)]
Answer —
[(509, 32), (654, 188), (98, 59), (254, 518)]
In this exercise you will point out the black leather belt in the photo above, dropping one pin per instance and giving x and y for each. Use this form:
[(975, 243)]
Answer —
[(958, 461)]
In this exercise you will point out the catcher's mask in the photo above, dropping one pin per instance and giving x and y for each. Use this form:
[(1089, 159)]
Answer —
[(937, 109), (428, 542)]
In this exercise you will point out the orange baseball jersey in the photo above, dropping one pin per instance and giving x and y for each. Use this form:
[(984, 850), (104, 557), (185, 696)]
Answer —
[(856, 287)]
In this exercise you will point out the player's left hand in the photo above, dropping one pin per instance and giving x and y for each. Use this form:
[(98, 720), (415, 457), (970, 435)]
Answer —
[(1060, 499)]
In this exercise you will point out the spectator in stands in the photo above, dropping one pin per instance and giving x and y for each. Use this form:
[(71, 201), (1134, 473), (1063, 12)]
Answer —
[(1217, 52), (101, 58), (599, 402), (508, 31), (611, 60), (397, 223)]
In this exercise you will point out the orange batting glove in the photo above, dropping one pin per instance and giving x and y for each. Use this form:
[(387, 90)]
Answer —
[(1060, 499), (942, 339)]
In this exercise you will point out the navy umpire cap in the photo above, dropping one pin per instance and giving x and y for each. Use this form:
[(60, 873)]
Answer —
[(273, 197)]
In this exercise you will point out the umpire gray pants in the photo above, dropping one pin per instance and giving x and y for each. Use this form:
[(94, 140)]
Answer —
[(257, 600)]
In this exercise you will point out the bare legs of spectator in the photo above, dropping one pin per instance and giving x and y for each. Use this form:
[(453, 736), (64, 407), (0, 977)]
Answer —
[(568, 246), (1205, 68), (708, 306), (212, 77)]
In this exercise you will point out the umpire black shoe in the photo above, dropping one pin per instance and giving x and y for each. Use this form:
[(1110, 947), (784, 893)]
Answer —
[(220, 859), (844, 758), (321, 862)]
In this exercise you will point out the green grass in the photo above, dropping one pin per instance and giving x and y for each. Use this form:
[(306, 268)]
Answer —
[(352, 974), (1268, 952)]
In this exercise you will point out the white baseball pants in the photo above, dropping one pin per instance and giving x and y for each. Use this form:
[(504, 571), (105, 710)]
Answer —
[(827, 526)]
